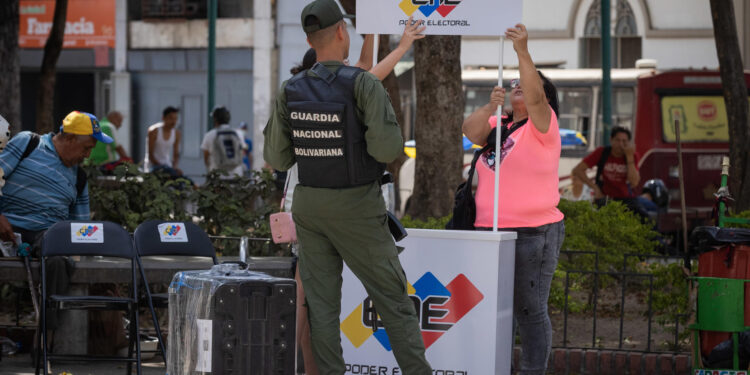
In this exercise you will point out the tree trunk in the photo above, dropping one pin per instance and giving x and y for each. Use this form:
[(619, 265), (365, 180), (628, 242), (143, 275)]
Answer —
[(440, 109), (735, 97), (10, 71), (46, 96)]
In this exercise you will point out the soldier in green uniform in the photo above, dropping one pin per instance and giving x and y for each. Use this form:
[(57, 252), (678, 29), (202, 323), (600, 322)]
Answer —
[(338, 124)]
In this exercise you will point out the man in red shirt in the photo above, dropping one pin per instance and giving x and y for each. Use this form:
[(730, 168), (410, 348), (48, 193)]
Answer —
[(617, 171)]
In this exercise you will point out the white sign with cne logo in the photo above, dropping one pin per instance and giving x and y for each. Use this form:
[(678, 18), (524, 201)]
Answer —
[(87, 232), (172, 232), (461, 285), (442, 17)]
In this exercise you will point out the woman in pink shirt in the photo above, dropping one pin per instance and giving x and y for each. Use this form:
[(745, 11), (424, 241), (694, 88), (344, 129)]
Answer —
[(527, 166)]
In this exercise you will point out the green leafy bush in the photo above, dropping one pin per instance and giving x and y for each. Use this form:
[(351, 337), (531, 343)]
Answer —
[(223, 206), (607, 233), (431, 223), (611, 231), (670, 301), (237, 206), (130, 197)]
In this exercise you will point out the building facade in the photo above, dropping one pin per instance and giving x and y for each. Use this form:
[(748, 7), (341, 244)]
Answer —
[(139, 57), (675, 33)]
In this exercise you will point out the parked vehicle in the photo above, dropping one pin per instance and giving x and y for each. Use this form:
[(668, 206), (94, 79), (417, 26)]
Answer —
[(693, 99)]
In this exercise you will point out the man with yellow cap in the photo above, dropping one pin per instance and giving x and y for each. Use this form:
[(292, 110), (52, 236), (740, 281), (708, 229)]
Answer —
[(44, 185)]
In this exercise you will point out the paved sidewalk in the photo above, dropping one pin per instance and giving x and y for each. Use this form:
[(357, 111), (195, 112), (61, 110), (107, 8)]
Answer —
[(21, 365)]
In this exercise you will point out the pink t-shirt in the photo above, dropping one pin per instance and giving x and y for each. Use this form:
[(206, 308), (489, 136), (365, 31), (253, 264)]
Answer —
[(528, 179)]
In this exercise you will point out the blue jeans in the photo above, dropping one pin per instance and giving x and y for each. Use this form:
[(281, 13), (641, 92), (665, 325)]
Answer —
[(537, 250)]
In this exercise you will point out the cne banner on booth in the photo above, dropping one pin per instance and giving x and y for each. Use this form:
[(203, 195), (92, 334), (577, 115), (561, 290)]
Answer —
[(454, 280)]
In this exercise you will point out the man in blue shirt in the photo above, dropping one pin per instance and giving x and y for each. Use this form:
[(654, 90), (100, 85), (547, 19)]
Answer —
[(43, 185), (41, 189)]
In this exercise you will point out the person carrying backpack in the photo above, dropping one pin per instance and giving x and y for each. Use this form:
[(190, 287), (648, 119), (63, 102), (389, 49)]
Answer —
[(616, 169), (44, 184), (223, 146)]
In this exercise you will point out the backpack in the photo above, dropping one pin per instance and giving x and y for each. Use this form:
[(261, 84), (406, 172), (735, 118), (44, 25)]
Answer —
[(81, 178), (600, 166), (228, 149), (464, 205)]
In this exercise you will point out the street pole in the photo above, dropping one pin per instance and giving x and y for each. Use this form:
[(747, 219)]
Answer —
[(212, 10), (606, 68)]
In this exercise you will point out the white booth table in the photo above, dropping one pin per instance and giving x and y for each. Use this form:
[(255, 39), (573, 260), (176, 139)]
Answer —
[(462, 282)]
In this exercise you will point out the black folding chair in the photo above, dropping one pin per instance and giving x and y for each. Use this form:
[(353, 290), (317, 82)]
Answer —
[(69, 238), (168, 238)]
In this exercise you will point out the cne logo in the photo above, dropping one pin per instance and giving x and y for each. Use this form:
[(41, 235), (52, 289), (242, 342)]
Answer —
[(87, 230), (427, 7), (172, 230), (439, 307)]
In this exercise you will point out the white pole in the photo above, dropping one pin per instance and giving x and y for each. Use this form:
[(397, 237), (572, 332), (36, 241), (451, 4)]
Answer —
[(375, 46), (498, 146)]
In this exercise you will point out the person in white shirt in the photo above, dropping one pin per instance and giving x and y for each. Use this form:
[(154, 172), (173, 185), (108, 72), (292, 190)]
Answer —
[(163, 144), (223, 147)]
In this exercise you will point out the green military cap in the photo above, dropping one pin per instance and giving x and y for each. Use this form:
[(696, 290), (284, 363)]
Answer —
[(326, 11)]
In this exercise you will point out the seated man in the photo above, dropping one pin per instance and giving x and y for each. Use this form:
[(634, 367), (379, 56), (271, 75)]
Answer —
[(44, 185), (617, 169)]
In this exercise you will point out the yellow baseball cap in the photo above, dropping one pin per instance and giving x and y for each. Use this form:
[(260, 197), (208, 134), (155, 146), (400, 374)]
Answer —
[(82, 123)]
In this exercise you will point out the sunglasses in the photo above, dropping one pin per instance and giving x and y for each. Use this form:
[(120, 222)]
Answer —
[(514, 83)]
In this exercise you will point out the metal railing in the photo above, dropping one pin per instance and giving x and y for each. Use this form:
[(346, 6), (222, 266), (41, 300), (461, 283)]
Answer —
[(623, 277)]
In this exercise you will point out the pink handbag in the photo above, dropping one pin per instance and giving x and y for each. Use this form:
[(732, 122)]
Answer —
[(282, 225), (282, 228)]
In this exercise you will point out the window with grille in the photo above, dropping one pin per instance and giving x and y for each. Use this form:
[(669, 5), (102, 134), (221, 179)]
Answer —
[(188, 9), (626, 43)]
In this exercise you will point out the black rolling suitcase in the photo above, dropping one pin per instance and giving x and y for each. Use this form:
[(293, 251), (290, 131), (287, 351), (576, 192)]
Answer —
[(231, 321)]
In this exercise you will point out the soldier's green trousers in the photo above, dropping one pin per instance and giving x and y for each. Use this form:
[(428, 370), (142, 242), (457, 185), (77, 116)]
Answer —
[(366, 245)]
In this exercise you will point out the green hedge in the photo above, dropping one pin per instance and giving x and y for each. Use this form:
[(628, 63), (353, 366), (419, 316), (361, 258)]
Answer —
[(223, 206)]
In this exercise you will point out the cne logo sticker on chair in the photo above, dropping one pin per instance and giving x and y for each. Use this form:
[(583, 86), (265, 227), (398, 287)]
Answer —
[(87, 232), (172, 232)]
